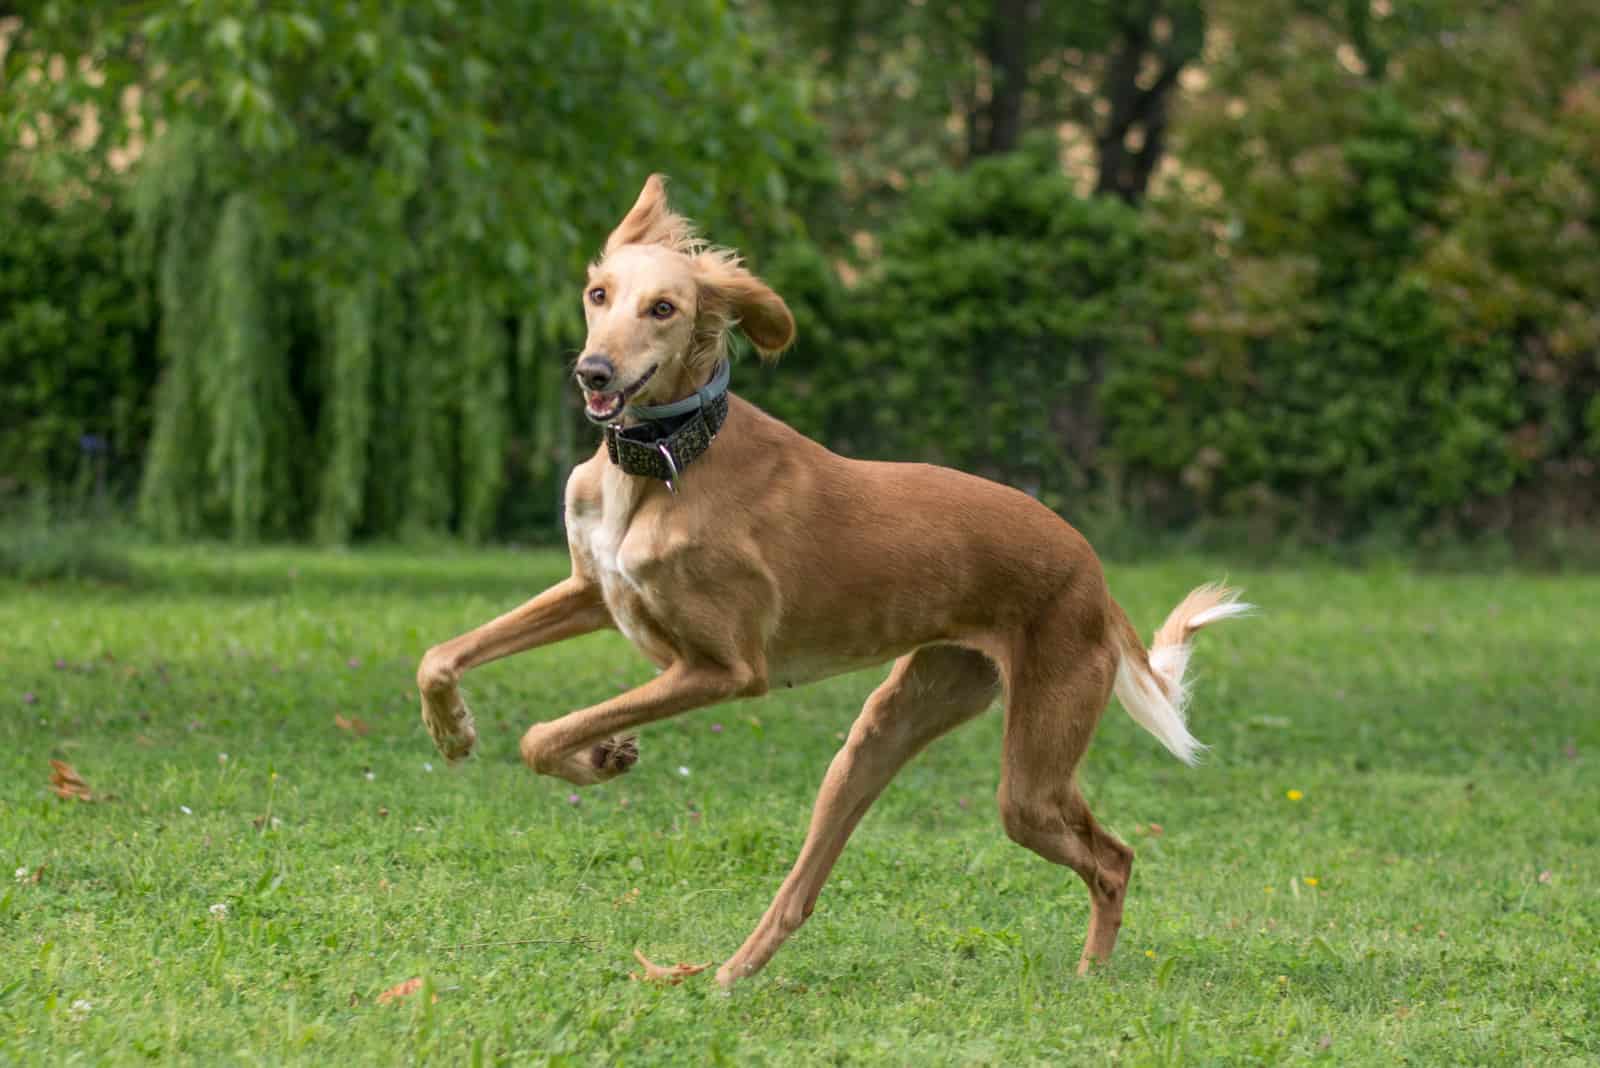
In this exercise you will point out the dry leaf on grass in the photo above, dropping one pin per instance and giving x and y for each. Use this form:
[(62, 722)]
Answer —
[(354, 725), (655, 973), (402, 990), (67, 783)]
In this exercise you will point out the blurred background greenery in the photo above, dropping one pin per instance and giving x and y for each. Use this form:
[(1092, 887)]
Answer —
[(1308, 273)]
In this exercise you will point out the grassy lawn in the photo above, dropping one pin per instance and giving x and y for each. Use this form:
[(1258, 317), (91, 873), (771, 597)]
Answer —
[(257, 875)]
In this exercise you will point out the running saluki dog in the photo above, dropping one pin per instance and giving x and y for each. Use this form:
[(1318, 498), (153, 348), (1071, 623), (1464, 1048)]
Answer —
[(738, 556)]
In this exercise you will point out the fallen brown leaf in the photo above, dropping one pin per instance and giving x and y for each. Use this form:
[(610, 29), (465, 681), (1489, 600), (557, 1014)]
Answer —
[(401, 990), (354, 725), (67, 783), (655, 973)]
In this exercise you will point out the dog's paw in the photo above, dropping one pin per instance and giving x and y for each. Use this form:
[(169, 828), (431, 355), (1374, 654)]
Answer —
[(459, 745), (454, 736), (615, 755)]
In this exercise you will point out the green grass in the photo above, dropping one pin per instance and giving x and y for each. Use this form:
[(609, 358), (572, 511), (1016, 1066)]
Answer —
[(1442, 730)]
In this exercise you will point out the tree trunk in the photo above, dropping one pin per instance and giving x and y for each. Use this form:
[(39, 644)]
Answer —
[(1123, 171), (997, 126)]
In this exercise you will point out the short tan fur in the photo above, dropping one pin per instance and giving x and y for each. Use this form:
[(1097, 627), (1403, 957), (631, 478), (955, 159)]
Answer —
[(777, 563)]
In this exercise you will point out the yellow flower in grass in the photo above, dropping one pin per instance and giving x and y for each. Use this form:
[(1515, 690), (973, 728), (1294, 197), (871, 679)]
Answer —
[(1294, 795), (1309, 880)]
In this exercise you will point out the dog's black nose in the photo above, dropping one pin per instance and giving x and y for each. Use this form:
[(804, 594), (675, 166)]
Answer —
[(596, 372)]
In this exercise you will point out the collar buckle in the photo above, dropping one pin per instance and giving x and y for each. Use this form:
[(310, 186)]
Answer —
[(668, 438)]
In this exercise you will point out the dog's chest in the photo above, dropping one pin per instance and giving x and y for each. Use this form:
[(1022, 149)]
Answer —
[(604, 529)]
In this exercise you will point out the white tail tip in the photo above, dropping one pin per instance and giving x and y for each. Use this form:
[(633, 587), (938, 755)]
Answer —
[(1158, 698)]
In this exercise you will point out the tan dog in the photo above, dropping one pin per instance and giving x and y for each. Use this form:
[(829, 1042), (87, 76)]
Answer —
[(772, 562)]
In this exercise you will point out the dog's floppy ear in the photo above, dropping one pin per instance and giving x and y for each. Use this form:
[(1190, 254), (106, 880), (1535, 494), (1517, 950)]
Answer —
[(732, 296), (650, 221)]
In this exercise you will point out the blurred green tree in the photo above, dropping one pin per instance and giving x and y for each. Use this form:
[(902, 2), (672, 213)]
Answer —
[(366, 220), (1353, 283), (1383, 271)]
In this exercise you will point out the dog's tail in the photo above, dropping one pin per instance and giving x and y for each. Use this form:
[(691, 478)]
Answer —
[(1151, 686)]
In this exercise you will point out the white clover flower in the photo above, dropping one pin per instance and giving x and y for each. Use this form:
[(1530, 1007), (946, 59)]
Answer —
[(683, 771), (220, 910), (80, 1010), (22, 874)]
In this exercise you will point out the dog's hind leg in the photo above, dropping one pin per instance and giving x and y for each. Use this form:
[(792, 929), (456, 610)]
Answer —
[(1052, 708), (927, 693)]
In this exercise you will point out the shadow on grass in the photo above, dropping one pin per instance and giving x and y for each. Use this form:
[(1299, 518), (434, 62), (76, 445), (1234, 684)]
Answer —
[(38, 550), (229, 572), (61, 559)]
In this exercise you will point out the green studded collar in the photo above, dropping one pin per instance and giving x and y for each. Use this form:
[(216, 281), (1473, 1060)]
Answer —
[(670, 437)]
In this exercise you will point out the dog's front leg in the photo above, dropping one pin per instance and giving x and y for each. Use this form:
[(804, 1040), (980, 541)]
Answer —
[(585, 748), (565, 610)]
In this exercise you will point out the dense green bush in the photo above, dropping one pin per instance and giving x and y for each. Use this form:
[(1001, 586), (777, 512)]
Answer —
[(1316, 383), (978, 334), (1386, 250), (1300, 371), (77, 359)]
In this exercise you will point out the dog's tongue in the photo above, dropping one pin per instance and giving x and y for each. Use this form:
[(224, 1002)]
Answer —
[(601, 403)]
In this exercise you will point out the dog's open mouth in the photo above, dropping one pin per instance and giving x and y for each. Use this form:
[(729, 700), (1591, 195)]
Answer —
[(604, 407)]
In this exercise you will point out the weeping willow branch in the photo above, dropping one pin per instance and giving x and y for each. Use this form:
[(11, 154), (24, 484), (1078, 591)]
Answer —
[(347, 413), (242, 374), (483, 421)]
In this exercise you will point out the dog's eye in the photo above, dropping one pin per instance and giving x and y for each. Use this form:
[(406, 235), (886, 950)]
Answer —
[(597, 295), (662, 309)]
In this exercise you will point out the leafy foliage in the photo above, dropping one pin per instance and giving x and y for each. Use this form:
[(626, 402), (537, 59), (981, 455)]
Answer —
[(365, 224), (977, 336), (1356, 295), (1375, 327), (76, 363)]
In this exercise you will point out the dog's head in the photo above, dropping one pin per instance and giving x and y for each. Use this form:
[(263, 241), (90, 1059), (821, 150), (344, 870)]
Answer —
[(659, 304)]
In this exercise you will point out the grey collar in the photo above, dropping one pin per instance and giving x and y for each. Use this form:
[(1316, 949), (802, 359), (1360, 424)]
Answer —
[(669, 437), (700, 398)]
